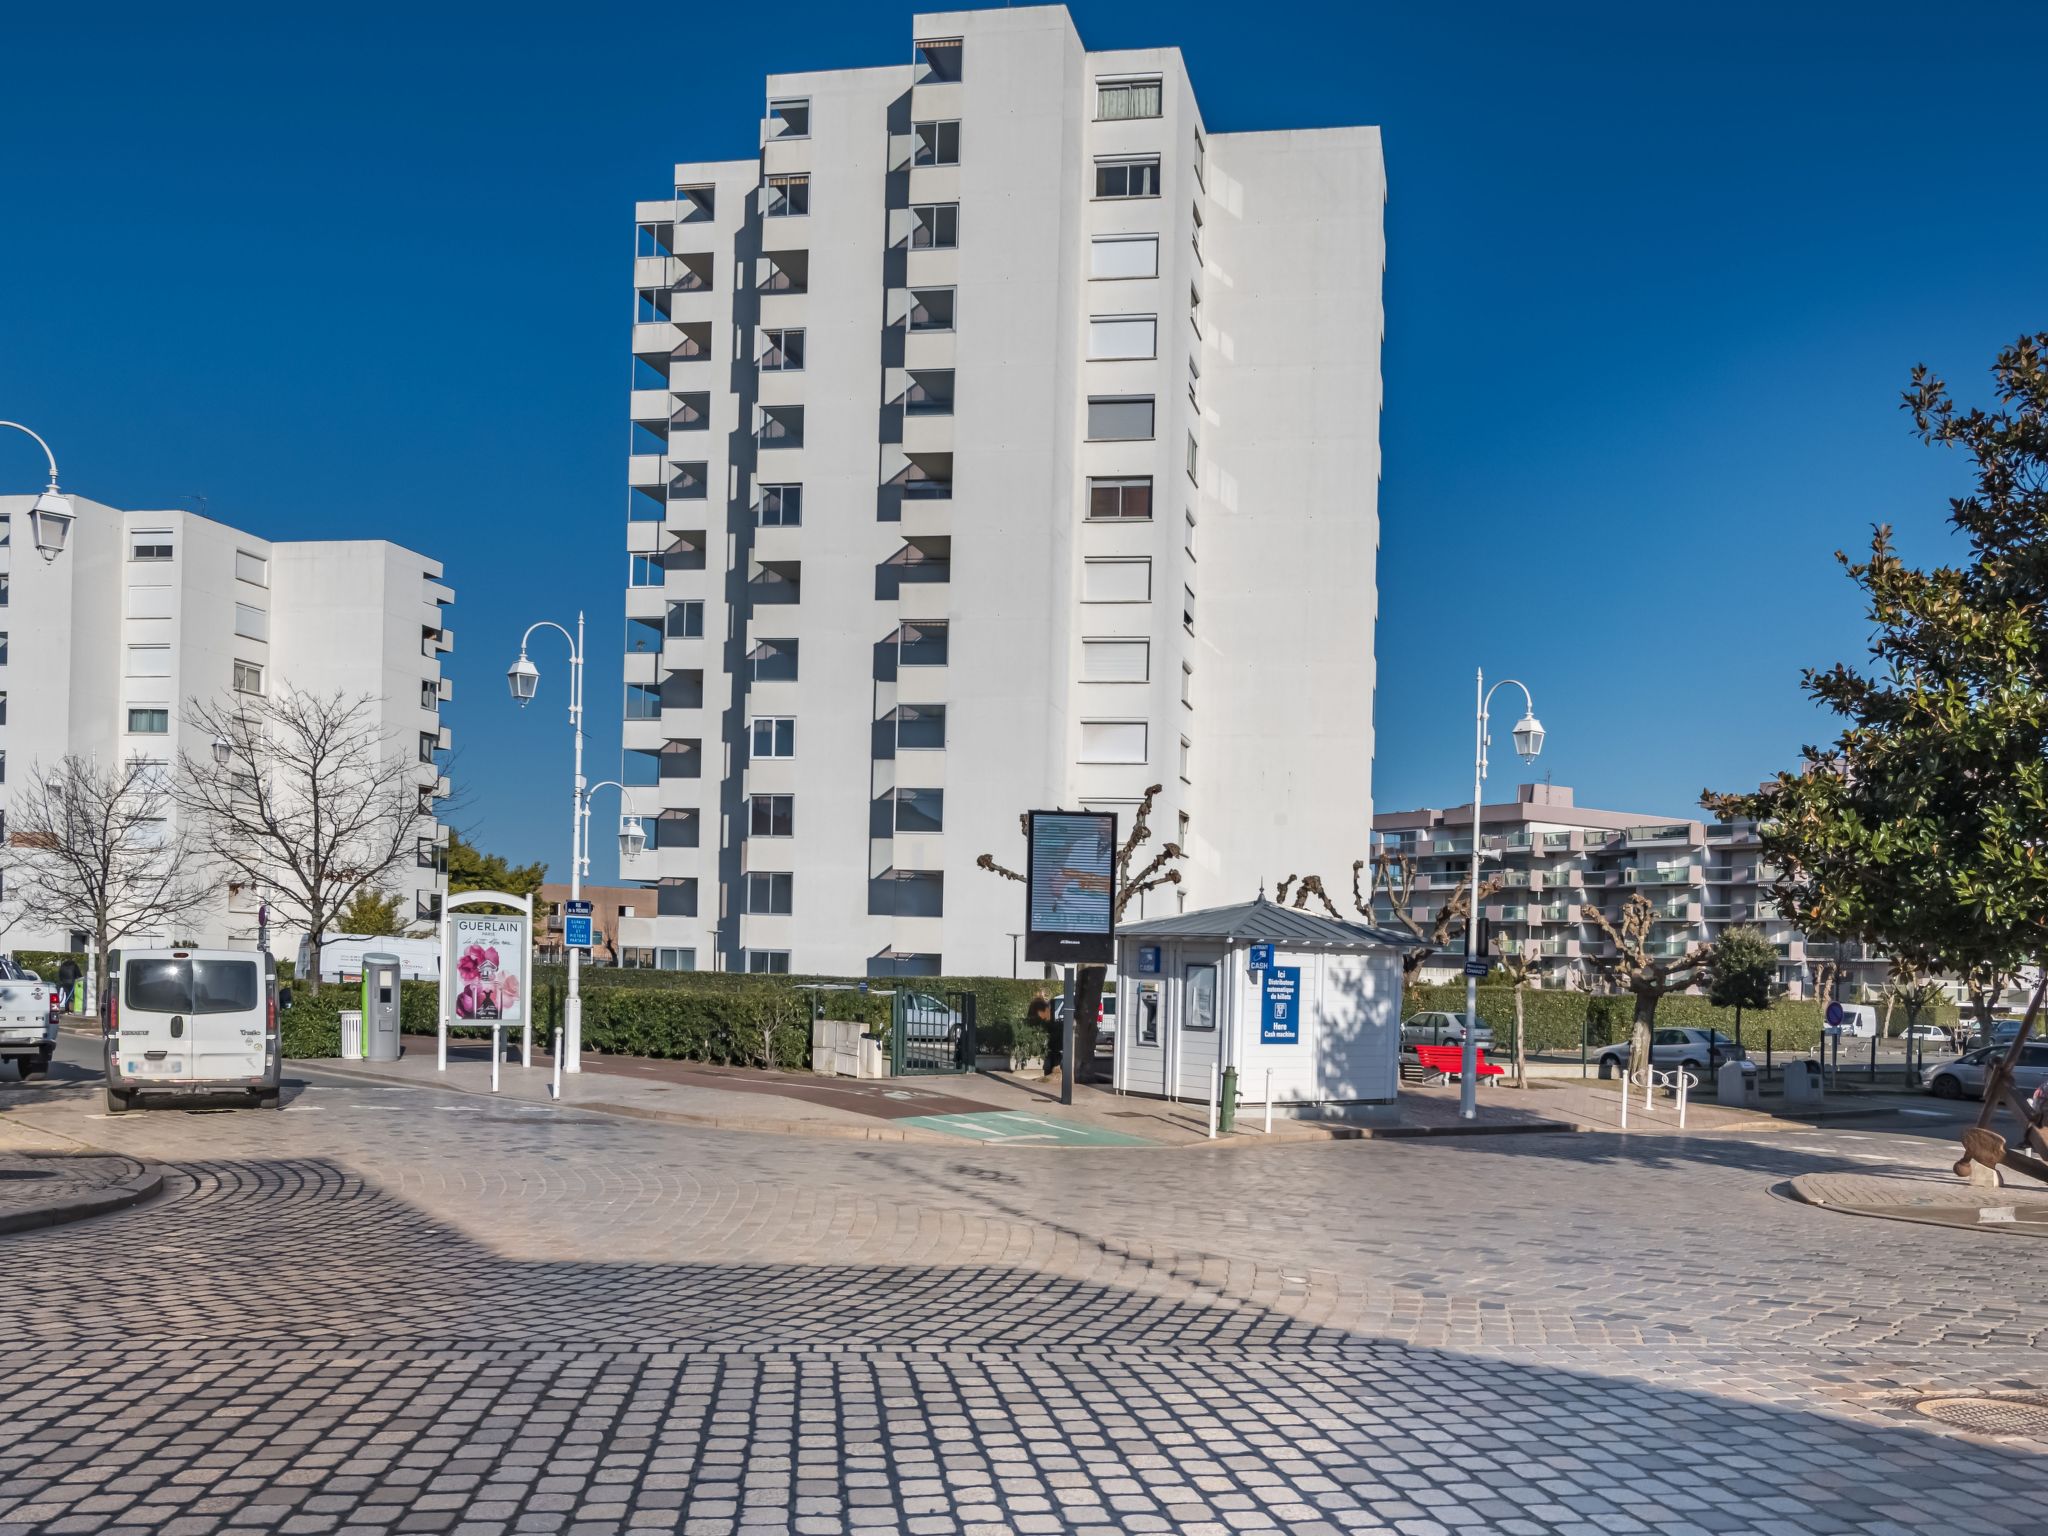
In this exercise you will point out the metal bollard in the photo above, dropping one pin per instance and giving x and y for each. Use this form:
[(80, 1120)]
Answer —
[(1269, 1101), (1685, 1081), (1215, 1077), (1624, 1101)]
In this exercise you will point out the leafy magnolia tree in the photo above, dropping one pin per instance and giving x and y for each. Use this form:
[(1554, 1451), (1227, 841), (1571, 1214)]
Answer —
[(1742, 970), (1156, 872), (372, 915), (1923, 828), (1635, 969), (315, 804), (471, 869), (1394, 875), (96, 847)]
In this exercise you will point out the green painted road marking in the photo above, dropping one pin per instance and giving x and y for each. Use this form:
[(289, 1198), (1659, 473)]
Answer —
[(1003, 1127)]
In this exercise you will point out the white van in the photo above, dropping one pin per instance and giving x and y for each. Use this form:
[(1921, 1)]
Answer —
[(190, 1021), (341, 957), (1859, 1022)]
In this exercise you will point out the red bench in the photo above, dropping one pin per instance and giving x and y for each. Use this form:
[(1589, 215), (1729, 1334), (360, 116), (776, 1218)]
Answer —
[(1448, 1061)]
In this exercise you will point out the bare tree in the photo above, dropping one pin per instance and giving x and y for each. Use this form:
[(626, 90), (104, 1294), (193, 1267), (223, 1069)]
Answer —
[(313, 805), (1516, 965), (1311, 885), (1649, 977), (1129, 887), (1395, 875), (99, 853)]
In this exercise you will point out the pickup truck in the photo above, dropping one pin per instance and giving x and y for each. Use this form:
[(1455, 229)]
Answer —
[(28, 1018)]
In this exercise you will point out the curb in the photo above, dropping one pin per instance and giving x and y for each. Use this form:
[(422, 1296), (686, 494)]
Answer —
[(1790, 1190), (147, 1182)]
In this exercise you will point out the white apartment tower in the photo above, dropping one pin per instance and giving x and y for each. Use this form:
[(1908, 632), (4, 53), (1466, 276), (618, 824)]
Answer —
[(102, 648), (1003, 439)]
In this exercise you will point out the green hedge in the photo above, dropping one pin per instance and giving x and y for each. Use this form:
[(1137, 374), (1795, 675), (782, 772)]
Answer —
[(1555, 1019), (44, 962), (311, 1027)]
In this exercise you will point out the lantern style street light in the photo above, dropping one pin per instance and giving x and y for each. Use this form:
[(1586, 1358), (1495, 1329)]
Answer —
[(1528, 738), (50, 516)]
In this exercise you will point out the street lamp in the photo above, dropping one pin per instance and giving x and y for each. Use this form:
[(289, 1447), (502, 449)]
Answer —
[(1528, 738), (50, 516), (223, 750), (523, 677), (632, 837)]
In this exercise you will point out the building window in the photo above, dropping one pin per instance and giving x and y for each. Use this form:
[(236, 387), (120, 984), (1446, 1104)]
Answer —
[(1201, 159), (936, 60), (1119, 498), (931, 309), (430, 691), (1195, 308), (774, 736), (643, 701), (773, 661), (675, 898), (3, 647), (249, 679), (772, 816), (428, 854), (1117, 580), (1188, 537), (429, 743), (253, 569), (788, 197), (934, 226), (1113, 338), (922, 644), (1119, 418), (919, 727), (644, 571), (791, 116), (1116, 661), (149, 722), (1135, 177), (1118, 99), (251, 623), (766, 962), (3, 707), (1194, 459), (5, 583), (920, 810), (149, 661), (1187, 685), (785, 353), (935, 143), (1113, 741), (1196, 237), (768, 895), (1187, 606), (1194, 384), (675, 959), (781, 506), (686, 620), (151, 544), (1186, 752), (1120, 256)]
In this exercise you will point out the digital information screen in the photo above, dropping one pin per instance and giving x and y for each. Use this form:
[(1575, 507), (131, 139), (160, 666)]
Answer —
[(1070, 887)]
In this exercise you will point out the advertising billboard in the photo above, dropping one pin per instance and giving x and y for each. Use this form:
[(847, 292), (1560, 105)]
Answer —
[(486, 961), (1070, 887)]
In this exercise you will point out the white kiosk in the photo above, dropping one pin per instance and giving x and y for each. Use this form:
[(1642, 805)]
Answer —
[(1322, 1012)]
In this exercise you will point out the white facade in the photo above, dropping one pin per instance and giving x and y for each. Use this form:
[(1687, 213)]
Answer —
[(147, 611), (1081, 407)]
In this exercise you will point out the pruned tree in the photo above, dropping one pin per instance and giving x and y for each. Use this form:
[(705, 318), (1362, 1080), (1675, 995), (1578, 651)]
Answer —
[(1742, 968), (314, 804), (1310, 885), (96, 846), (1157, 871), (1906, 988), (1649, 978), (1515, 965), (1394, 874)]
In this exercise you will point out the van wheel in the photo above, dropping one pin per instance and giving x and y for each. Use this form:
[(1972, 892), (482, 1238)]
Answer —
[(267, 1098), (119, 1103)]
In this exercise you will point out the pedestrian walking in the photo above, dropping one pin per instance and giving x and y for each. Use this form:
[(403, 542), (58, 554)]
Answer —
[(1040, 1013)]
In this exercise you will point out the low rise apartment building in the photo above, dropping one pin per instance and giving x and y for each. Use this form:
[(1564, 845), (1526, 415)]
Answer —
[(102, 648), (1554, 859)]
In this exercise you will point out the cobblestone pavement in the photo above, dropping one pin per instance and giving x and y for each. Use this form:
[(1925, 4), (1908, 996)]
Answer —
[(400, 1310)]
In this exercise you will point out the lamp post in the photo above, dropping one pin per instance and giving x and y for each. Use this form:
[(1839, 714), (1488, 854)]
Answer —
[(523, 677), (50, 516), (1528, 742)]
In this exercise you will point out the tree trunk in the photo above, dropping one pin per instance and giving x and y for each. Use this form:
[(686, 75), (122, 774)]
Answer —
[(1885, 1029), (1521, 1064), (101, 979), (1640, 1035), (312, 982), (1087, 1007)]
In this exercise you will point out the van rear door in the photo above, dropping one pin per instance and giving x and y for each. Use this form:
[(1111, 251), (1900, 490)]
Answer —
[(155, 1043), (227, 1020)]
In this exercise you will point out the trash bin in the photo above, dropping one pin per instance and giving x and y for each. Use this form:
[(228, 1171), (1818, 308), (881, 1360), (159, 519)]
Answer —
[(1735, 1083), (1803, 1082), (351, 1035), (380, 1007)]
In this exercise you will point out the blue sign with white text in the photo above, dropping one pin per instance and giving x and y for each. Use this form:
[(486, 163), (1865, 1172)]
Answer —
[(1280, 1018), (576, 932), (1148, 959), (1262, 957)]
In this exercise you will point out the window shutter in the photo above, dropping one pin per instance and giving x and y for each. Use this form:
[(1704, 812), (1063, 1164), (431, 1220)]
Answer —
[(1116, 581), (1123, 257), (1112, 741), (1116, 661)]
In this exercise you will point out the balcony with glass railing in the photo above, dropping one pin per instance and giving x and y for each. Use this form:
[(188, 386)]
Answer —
[(1667, 832)]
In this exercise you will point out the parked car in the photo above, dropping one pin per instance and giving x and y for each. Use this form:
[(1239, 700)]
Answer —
[(1931, 1034), (1441, 1029), (926, 1017), (1105, 1020), (1964, 1077), (190, 1021), (28, 1018), (1704, 1050)]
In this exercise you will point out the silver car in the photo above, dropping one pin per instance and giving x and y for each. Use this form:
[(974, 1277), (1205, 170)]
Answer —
[(1703, 1050), (1438, 1028), (1964, 1077)]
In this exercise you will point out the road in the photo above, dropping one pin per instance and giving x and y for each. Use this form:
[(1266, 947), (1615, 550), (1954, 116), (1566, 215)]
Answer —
[(410, 1310)]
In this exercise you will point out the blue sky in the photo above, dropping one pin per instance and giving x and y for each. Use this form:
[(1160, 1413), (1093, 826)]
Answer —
[(1656, 275)]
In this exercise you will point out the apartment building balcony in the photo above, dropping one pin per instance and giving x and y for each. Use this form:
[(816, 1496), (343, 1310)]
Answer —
[(1560, 879), (1684, 876), (640, 667), (641, 735), (1733, 833), (779, 426), (649, 603), (908, 853), (688, 653), (774, 583), (1665, 834), (1554, 912), (1552, 843), (1675, 912), (782, 272), (1506, 913), (1668, 949), (1511, 878), (777, 545)]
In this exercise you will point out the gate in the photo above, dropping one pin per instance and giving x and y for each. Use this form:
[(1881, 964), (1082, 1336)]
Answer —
[(930, 1034)]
